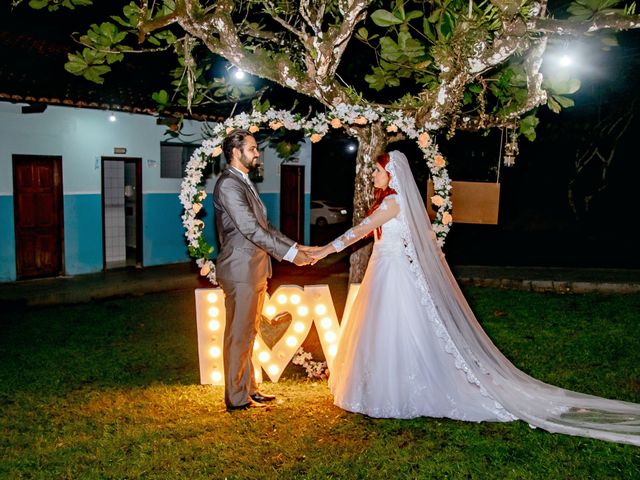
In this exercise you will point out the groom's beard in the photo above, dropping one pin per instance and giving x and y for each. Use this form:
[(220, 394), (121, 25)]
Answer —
[(249, 163)]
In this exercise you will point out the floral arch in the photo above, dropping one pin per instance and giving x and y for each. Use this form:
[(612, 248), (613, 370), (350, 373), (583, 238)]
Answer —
[(192, 191)]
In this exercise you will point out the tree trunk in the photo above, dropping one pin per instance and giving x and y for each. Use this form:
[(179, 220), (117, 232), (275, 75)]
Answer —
[(371, 141)]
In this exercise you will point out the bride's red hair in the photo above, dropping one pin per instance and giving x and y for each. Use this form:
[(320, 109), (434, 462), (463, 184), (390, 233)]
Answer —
[(379, 194)]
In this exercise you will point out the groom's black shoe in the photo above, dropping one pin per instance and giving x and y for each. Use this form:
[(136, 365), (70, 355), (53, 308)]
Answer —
[(245, 406), (262, 397)]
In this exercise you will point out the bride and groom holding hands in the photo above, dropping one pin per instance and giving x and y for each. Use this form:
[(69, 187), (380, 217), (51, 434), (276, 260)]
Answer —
[(412, 346)]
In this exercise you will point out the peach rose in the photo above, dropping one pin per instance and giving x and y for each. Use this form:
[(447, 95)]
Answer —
[(423, 140), (199, 223), (447, 218), (229, 130), (204, 271), (316, 137), (254, 128), (437, 200), (275, 125), (196, 207), (439, 161), (336, 123), (203, 195), (392, 128), (216, 151), (360, 120)]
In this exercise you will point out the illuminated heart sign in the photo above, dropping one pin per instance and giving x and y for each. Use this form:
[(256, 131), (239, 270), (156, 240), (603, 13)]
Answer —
[(311, 304)]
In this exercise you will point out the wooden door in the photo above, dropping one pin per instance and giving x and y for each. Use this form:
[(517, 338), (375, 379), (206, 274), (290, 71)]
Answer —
[(292, 201), (37, 195)]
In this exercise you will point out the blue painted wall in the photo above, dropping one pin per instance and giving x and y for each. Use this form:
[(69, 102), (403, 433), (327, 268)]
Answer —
[(7, 240), (82, 233)]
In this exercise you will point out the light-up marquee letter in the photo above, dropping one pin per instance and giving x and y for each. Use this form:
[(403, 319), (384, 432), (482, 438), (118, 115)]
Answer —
[(309, 305)]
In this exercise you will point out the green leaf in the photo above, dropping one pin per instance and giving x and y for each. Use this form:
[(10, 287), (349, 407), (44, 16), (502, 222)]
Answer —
[(410, 47), (384, 18), (247, 90), (413, 14), (390, 50), (75, 68), (161, 97), (565, 102), (94, 73), (528, 126), (121, 21), (553, 105), (113, 57), (38, 4), (362, 34)]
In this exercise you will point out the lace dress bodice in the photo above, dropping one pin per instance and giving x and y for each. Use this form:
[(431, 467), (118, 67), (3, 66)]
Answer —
[(384, 216), (390, 243)]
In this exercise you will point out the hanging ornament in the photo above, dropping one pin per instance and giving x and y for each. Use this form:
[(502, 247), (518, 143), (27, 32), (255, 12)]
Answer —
[(511, 149)]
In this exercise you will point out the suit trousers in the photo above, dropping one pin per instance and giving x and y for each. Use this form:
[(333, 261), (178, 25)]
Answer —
[(243, 303)]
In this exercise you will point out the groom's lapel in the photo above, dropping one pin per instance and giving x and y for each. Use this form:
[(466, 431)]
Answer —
[(258, 207)]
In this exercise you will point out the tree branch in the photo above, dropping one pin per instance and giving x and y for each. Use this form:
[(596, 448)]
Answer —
[(610, 21), (144, 28)]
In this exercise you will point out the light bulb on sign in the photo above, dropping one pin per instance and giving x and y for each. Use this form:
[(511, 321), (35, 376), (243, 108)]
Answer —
[(264, 357), (330, 336), (214, 325), (214, 311), (212, 298)]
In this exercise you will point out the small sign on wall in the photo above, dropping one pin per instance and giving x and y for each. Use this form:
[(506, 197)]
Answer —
[(119, 150)]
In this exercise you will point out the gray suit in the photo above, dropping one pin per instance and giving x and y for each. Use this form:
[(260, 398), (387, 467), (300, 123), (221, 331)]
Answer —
[(242, 269)]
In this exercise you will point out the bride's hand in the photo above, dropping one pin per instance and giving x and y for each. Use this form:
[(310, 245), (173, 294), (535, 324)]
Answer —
[(320, 252)]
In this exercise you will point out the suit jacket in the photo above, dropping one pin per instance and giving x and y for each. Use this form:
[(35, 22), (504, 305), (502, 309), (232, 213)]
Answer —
[(246, 236)]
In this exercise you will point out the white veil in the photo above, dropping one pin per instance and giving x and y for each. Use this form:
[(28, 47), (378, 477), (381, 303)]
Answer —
[(541, 405)]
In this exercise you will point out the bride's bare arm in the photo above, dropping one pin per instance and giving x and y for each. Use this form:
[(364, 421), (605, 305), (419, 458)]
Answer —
[(388, 209)]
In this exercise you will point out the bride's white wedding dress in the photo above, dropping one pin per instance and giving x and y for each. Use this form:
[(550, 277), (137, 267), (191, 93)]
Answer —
[(413, 347), (393, 359)]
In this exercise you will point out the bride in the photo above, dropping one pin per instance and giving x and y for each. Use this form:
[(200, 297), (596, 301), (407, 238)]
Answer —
[(412, 347)]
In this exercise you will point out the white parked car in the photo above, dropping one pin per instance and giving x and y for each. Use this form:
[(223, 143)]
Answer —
[(324, 212)]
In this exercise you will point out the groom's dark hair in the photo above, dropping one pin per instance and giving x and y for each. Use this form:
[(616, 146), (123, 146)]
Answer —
[(235, 139)]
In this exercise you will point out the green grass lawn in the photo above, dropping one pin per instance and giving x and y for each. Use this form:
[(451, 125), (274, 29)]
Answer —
[(111, 390)]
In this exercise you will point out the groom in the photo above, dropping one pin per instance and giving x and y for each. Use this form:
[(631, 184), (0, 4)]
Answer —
[(243, 266)]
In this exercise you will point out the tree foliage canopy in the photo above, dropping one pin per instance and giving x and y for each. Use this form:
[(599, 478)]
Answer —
[(451, 64)]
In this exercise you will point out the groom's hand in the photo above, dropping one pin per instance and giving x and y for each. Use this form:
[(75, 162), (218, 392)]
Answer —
[(302, 258)]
